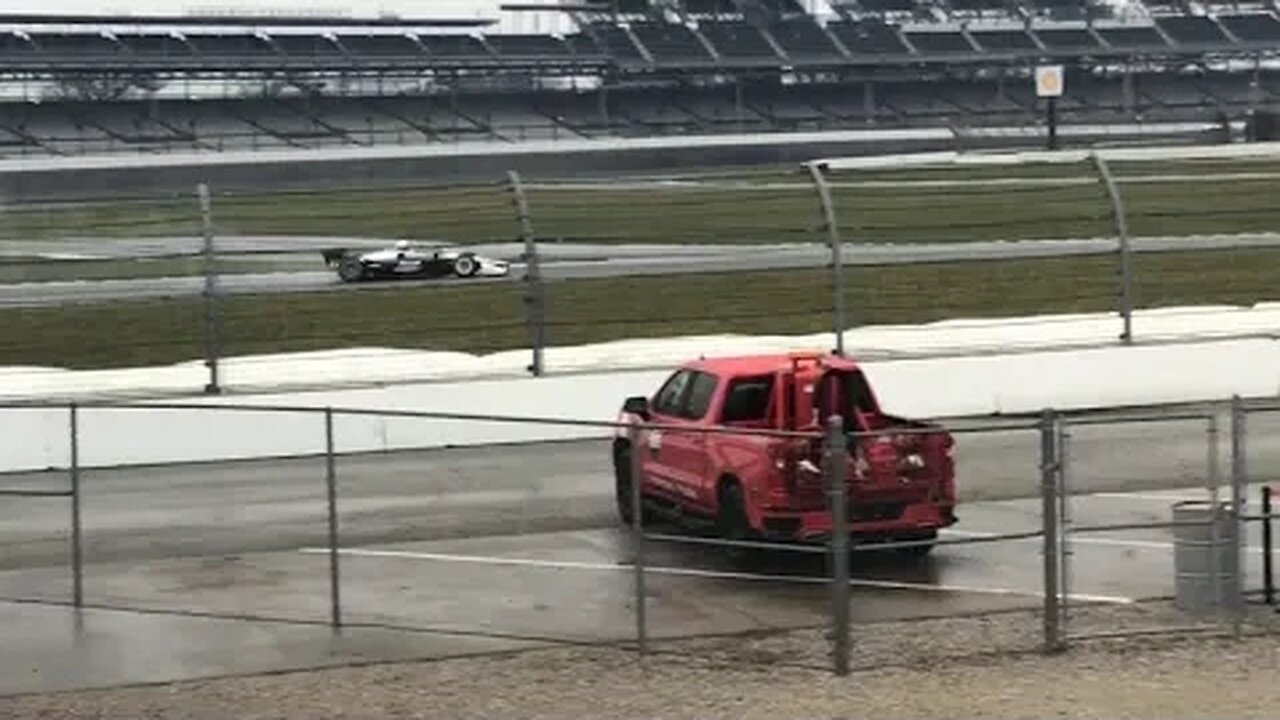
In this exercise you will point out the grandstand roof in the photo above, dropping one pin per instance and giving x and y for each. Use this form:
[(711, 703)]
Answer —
[(868, 33)]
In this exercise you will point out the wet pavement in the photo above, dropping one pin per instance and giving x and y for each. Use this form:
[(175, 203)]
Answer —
[(245, 613), (50, 647), (199, 570), (258, 506)]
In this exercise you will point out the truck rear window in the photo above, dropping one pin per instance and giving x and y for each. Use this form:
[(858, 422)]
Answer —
[(747, 399), (856, 396)]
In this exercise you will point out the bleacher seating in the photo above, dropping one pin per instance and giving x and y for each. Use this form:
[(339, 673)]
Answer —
[(617, 42), (245, 45), (737, 40), (870, 27), (305, 46), (81, 45), (803, 39), (869, 38), (669, 42), (1141, 38), (1067, 39), (1192, 30), (710, 8), (979, 7), (584, 46), (454, 46), (1060, 9), (155, 47), (249, 123), (1254, 27), (496, 96), (934, 42), (1003, 40), (887, 6), (13, 47), (380, 46), (528, 46)]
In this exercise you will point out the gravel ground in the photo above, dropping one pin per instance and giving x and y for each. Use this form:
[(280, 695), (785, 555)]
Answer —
[(985, 666)]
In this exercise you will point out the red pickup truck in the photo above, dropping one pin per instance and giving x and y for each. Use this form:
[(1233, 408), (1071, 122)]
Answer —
[(901, 485)]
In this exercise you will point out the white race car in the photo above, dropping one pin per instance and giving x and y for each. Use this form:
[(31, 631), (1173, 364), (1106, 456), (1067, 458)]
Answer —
[(406, 261)]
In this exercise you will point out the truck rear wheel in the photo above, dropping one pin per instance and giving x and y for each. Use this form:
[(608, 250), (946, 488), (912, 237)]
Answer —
[(916, 551), (734, 525)]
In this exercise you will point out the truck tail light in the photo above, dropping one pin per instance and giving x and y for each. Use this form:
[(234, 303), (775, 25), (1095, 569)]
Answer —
[(911, 463)]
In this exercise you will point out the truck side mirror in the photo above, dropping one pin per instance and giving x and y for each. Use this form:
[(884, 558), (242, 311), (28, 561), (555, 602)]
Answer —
[(638, 405)]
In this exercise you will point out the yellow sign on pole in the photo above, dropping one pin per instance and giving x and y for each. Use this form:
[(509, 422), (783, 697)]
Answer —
[(1049, 81)]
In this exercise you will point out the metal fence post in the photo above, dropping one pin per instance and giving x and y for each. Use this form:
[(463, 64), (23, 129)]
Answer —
[(837, 449), (1239, 477), (1120, 222), (535, 290), (331, 486), (77, 557), (637, 527), (212, 336), (1049, 516), (1213, 480), (1268, 572), (837, 253), (1064, 526)]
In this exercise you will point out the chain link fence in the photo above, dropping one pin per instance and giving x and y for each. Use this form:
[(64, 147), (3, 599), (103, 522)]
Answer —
[(1060, 542), (837, 248)]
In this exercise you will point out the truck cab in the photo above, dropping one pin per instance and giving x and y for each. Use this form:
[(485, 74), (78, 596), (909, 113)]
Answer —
[(900, 485)]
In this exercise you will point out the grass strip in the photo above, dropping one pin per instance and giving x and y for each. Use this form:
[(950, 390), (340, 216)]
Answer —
[(486, 318)]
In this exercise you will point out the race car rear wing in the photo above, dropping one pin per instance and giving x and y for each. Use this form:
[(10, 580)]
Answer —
[(333, 256)]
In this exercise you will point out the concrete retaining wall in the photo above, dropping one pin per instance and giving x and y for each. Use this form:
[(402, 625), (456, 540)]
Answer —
[(33, 439)]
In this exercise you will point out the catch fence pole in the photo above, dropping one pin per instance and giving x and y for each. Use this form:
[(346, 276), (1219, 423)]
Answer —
[(535, 290), (837, 491), (77, 557), (637, 526), (212, 336), (1049, 515), (331, 486), (837, 253), (1120, 222)]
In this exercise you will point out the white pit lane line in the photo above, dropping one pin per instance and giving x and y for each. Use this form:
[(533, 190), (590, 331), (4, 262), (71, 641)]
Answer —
[(691, 572), (1153, 497), (1088, 540)]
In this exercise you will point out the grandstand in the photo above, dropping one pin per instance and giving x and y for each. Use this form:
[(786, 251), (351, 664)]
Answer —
[(627, 68)]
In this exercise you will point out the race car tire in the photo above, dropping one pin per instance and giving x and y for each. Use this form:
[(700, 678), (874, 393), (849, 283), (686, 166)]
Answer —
[(351, 270), (466, 266)]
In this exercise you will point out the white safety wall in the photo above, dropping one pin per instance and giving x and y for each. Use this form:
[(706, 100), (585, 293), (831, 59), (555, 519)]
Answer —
[(942, 387)]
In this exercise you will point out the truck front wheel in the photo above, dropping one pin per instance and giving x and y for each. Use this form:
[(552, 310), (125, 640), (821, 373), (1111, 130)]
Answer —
[(622, 479)]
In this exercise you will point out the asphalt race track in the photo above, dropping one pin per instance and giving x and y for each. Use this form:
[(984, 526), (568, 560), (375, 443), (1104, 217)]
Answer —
[(256, 506), (559, 261)]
